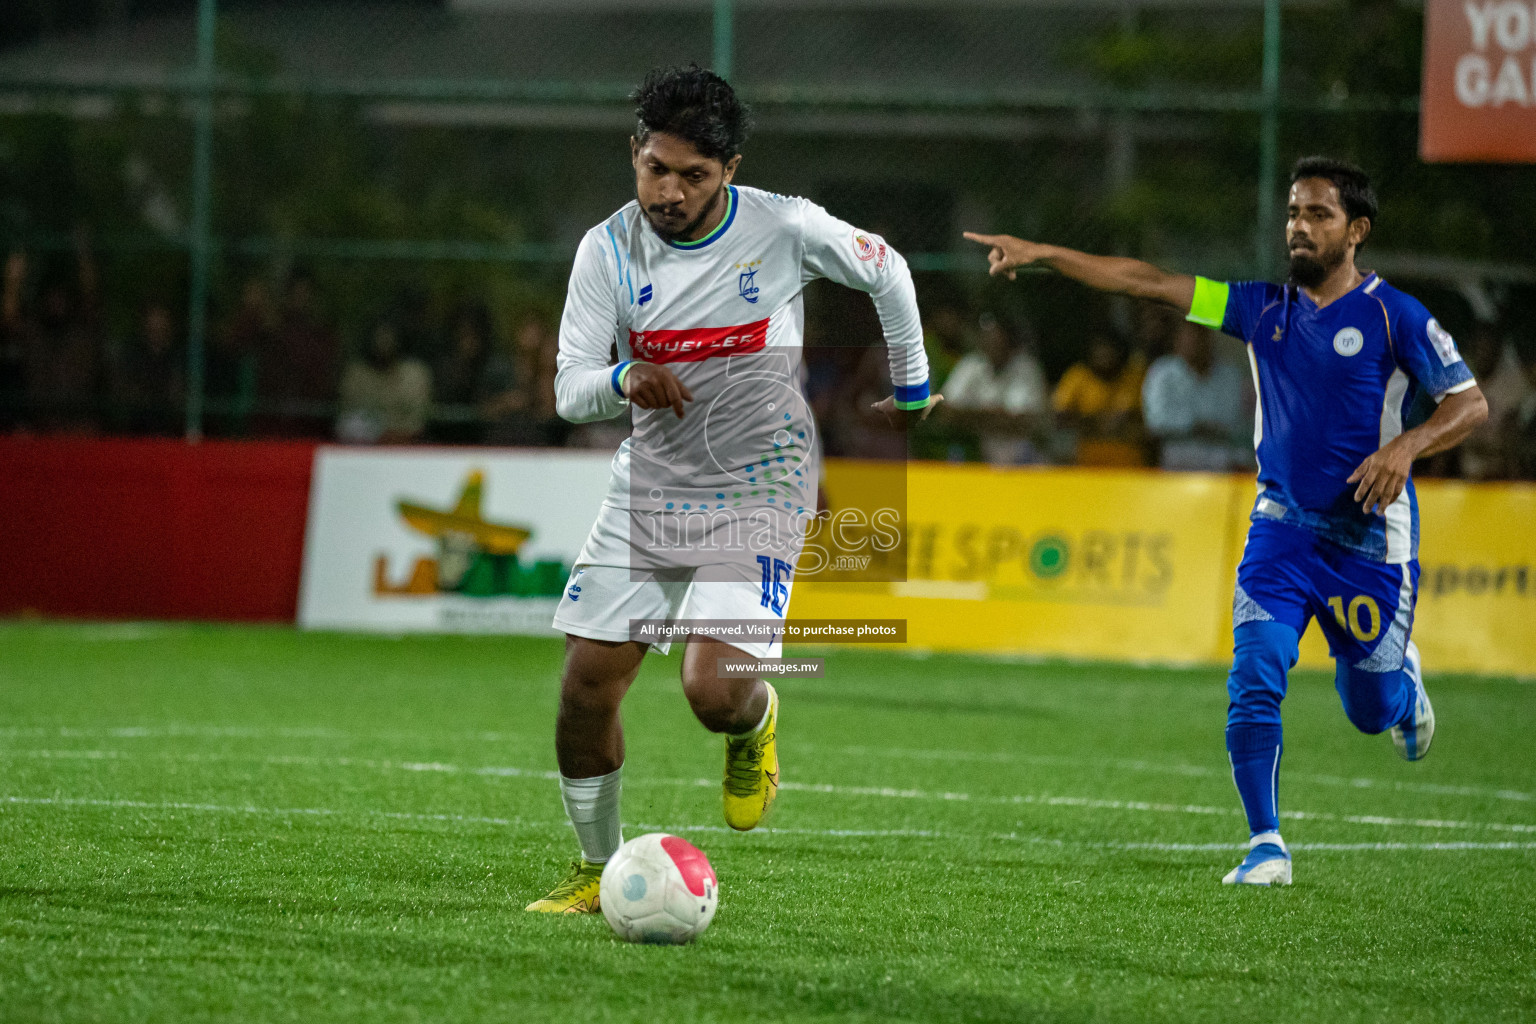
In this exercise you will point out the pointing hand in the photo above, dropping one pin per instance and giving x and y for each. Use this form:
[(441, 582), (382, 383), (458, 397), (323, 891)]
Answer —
[(1007, 253)]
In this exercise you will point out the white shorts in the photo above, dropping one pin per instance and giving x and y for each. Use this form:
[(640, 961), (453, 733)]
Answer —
[(605, 593)]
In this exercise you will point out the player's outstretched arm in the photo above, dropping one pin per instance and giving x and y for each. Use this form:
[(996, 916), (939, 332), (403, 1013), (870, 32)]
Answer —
[(1136, 278), (1384, 474)]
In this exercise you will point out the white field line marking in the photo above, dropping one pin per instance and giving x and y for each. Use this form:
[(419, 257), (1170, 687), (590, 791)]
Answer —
[(119, 631), (494, 771), (882, 792), (313, 812), (1083, 844), (167, 731), (1154, 767), (173, 731), (106, 631), (1141, 805), (827, 833), (1003, 757)]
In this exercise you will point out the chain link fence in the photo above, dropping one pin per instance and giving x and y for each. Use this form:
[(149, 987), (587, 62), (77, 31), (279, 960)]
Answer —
[(213, 208)]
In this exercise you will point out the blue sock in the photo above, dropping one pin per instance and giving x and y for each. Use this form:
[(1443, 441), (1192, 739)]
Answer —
[(1255, 754)]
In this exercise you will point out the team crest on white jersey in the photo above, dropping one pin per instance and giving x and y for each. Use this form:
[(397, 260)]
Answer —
[(747, 283), (1348, 341)]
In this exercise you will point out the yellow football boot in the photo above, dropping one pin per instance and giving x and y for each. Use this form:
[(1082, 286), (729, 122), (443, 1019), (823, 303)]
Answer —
[(752, 771), (576, 895)]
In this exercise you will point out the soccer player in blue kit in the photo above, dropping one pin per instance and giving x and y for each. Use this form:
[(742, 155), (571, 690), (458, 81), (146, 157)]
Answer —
[(1338, 357)]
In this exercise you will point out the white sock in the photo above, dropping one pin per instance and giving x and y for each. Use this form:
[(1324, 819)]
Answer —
[(1267, 837), (593, 807), (752, 732)]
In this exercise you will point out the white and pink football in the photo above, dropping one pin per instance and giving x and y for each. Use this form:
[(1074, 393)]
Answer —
[(659, 888)]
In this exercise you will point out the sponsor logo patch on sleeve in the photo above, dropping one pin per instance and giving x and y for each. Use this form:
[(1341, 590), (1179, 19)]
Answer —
[(863, 247), (1445, 345)]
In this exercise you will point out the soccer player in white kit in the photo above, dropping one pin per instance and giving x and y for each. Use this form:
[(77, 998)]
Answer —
[(695, 286)]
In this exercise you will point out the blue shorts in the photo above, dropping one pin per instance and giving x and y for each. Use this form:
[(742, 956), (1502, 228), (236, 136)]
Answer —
[(1365, 608)]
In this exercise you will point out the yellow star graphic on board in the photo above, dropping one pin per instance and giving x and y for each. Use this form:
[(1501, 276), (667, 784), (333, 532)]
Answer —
[(465, 520)]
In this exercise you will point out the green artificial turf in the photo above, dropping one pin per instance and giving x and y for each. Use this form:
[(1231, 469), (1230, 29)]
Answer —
[(257, 824)]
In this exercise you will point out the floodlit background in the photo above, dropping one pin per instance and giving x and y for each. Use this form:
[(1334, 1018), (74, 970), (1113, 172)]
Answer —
[(212, 207)]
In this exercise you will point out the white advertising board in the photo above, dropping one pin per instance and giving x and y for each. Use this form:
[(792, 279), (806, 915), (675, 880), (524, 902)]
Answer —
[(453, 540)]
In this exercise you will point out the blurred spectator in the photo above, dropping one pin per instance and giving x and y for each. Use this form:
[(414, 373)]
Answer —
[(1523, 428), (947, 338), (1489, 453), (542, 365), (999, 391), (1098, 399), (519, 406), (59, 344), (858, 430), (233, 350), (828, 368), (459, 377), (847, 364), (1154, 326), (411, 313), (386, 395), (1193, 405), (147, 380), (13, 345), (298, 372)]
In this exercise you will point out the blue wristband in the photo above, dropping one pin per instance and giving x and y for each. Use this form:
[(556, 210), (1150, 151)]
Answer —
[(912, 396), (618, 377)]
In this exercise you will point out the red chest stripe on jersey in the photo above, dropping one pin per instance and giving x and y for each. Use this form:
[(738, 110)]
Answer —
[(699, 343)]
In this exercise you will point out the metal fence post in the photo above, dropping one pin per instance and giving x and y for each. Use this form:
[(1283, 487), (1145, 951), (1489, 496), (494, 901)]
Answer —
[(725, 37), (1264, 244), (200, 242)]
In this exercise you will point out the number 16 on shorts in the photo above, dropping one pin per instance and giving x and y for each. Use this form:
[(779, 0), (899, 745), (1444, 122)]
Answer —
[(776, 576)]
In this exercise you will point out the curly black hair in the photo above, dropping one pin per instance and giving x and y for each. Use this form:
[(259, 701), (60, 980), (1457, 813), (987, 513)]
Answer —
[(694, 104), (1354, 185)]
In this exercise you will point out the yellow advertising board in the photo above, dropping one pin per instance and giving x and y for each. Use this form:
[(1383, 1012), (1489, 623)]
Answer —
[(1139, 566), (1477, 588), (1077, 563)]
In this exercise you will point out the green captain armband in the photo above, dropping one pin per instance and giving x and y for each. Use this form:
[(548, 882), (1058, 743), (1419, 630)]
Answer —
[(1209, 306)]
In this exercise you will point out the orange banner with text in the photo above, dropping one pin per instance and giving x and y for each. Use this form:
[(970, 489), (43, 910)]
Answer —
[(1139, 566), (1479, 89)]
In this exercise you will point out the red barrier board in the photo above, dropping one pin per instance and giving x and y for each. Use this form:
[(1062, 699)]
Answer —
[(1479, 92), (152, 529)]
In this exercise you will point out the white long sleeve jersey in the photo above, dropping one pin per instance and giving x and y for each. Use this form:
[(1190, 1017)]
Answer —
[(725, 314)]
